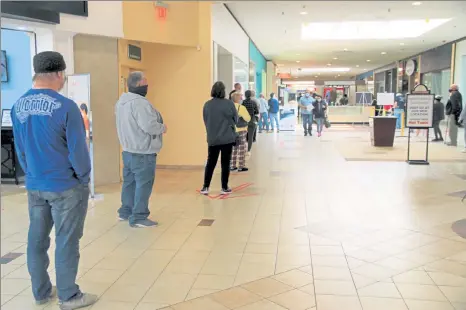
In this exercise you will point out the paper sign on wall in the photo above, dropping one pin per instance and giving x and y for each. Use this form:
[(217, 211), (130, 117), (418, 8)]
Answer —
[(385, 98)]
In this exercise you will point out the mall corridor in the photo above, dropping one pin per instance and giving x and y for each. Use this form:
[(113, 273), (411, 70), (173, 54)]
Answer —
[(307, 227)]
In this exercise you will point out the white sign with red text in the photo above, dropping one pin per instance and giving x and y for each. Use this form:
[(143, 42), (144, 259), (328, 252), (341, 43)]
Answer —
[(419, 111)]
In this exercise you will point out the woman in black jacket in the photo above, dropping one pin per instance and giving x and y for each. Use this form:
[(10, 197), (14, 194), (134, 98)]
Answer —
[(439, 115), (320, 106), (220, 117)]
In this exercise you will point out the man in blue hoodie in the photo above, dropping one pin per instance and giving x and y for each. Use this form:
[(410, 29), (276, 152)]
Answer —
[(50, 142)]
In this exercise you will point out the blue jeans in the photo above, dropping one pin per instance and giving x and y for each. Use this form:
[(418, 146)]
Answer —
[(320, 124), (274, 117), (67, 211), (307, 123), (398, 113), (138, 181), (263, 119)]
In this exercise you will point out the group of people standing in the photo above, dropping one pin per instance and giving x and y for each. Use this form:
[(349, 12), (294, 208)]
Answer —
[(231, 124), (313, 108)]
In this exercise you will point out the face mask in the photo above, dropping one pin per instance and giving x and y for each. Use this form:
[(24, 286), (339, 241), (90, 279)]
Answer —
[(450, 90), (318, 100), (307, 95), (140, 90)]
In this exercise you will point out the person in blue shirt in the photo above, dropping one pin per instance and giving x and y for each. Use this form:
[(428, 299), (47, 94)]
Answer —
[(273, 112), (398, 109), (50, 141), (306, 104)]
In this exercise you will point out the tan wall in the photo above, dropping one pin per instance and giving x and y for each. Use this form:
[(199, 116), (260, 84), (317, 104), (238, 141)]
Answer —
[(179, 75), (140, 22), (99, 57)]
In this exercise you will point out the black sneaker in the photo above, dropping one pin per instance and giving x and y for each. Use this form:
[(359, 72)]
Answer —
[(226, 191), (243, 169), (305, 133), (204, 191), (233, 168), (310, 133)]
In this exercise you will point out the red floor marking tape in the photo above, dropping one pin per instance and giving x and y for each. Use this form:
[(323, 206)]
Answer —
[(240, 196), (233, 190)]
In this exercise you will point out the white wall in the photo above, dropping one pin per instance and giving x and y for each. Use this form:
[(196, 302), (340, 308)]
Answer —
[(226, 70), (105, 19), (227, 33), (460, 66)]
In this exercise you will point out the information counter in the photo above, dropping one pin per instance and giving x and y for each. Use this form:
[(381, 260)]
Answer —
[(350, 114)]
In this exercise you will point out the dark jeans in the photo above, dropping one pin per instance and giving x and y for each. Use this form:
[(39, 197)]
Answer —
[(251, 132), (67, 211), (214, 152), (138, 181), (437, 131)]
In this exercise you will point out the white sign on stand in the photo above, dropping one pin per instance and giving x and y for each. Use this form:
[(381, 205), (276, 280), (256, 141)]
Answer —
[(288, 117), (79, 90), (385, 98), (419, 111)]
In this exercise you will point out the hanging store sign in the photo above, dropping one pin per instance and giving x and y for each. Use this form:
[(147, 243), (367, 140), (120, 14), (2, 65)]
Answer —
[(134, 52)]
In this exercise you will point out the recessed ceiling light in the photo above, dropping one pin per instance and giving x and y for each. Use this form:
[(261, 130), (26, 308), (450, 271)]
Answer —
[(298, 54), (345, 49), (365, 69), (336, 70), (402, 43), (368, 60), (338, 75), (417, 3), (329, 64), (367, 30), (357, 66), (298, 61), (303, 13), (335, 58), (383, 53), (316, 76)]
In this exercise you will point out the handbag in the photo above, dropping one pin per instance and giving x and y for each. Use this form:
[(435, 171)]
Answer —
[(327, 123)]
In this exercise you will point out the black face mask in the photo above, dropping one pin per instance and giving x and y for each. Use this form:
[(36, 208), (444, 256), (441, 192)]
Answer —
[(140, 90)]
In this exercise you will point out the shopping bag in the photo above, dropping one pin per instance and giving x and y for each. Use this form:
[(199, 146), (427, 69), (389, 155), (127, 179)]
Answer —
[(327, 123)]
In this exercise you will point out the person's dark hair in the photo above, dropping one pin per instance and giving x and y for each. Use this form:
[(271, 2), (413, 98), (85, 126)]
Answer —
[(218, 90), (236, 85), (248, 94), (83, 107), (345, 95), (271, 95)]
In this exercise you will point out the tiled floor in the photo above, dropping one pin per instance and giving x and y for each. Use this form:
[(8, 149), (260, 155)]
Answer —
[(312, 231)]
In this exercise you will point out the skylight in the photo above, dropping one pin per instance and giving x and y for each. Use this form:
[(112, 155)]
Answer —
[(367, 30)]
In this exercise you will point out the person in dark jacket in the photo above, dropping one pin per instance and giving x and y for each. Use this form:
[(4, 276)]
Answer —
[(320, 107), (453, 111), (251, 105), (439, 115), (220, 118)]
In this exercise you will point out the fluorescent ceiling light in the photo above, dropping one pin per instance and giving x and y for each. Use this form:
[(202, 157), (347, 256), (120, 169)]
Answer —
[(303, 13), (345, 49), (325, 69), (298, 54), (298, 61), (402, 43), (368, 60), (383, 53), (329, 64), (357, 66), (367, 30), (335, 58), (417, 3)]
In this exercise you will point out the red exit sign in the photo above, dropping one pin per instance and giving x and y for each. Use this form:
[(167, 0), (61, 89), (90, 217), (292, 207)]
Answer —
[(161, 10)]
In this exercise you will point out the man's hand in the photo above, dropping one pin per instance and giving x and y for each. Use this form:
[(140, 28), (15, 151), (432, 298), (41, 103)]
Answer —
[(166, 128)]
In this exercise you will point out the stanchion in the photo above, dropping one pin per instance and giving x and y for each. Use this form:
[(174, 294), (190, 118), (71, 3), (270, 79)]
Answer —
[(403, 123)]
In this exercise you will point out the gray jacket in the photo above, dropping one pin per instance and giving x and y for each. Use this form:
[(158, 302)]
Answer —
[(139, 125)]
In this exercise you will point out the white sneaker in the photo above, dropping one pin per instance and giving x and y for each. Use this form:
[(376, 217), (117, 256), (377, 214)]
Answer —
[(464, 150)]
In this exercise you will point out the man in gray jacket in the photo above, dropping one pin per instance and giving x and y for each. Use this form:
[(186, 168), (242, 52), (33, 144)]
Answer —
[(140, 128)]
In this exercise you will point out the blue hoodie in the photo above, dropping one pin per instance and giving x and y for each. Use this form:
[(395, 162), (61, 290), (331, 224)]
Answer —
[(50, 141)]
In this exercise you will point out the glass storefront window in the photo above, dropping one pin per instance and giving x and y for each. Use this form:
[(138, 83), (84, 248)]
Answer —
[(438, 82)]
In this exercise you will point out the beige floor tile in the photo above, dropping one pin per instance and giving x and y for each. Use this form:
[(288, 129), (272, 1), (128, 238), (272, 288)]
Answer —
[(115, 262), (102, 275), (332, 273), (294, 300), (152, 306), (261, 248), (125, 293), (374, 271), (329, 261), (421, 292), (262, 305), (334, 302), (235, 297), (383, 290), (459, 306), (448, 266), (14, 286), (333, 287), (454, 294), (307, 269), (218, 265), (267, 287), (23, 303), (327, 250), (413, 277), (169, 289), (6, 298), (197, 292), (447, 279), (213, 282), (362, 281), (428, 305), (295, 278), (375, 303), (114, 305), (203, 303), (93, 288)]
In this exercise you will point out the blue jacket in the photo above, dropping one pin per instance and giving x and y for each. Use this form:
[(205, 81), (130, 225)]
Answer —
[(273, 105), (50, 141)]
